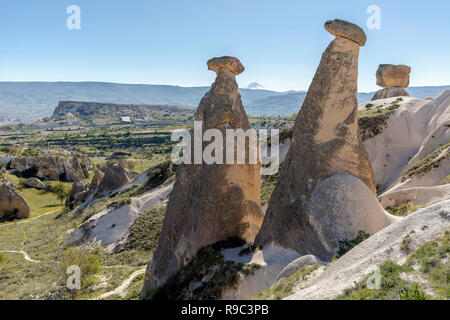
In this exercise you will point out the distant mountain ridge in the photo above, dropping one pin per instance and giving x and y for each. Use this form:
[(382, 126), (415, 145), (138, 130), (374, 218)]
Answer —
[(112, 112), (31, 101)]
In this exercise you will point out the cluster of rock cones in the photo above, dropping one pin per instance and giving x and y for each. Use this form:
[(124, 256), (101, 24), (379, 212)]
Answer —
[(326, 190)]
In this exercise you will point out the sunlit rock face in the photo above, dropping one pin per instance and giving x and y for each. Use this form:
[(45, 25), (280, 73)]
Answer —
[(325, 143), (210, 202)]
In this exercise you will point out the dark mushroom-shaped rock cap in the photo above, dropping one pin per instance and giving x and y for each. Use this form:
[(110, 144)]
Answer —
[(346, 30), (230, 63)]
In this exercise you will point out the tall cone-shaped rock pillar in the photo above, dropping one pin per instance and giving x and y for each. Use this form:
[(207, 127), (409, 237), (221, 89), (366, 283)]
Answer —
[(210, 202), (325, 143)]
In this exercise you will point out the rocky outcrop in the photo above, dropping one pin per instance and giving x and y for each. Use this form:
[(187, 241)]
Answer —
[(423, 226), (12, 204), (76, 193), (390, 93), (390, 76), (96, 179), (325, 142), (35, 183), (52, 168), (111, 226), (394, 79), (414, 130), (115, 177), (348, 30), (209, 203)]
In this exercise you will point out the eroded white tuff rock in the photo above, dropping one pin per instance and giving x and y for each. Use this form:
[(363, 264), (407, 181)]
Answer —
[(394, 79), (426, 224), (111, 226), (209, 203), (409, 134), (325, 142)]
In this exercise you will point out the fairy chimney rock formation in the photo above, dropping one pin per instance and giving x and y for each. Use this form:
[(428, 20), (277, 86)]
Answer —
[(394, 79), (209, 202), (325, 143)]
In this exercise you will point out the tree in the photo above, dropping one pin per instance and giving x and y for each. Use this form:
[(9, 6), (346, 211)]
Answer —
[(61, 191), (131, 165)]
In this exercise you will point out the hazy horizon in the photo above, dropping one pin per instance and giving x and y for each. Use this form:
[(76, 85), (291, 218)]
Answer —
[(168, 42)]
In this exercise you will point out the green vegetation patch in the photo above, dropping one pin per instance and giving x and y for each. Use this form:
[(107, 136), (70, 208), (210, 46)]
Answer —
[(431, 261), (40, 201), (347, 245), (431, 161), (268, 184), (144, 233), (88, 264), (370, 126), (391, 285), (404, 208), (157, 176)]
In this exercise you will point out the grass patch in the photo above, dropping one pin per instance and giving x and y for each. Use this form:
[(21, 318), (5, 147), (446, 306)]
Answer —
[(144, 233), (39, 201), (267, 186), (391, 285), (415, 293), (404, 208), (431, 260), (431, 161)]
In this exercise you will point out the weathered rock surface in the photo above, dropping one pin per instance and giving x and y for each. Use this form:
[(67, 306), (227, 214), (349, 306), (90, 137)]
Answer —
[(226, 63), (96, 179), (111, 227), (416, 195), (412, 131), (115, 176), (428, 224), (325, 142), (271, 260), (348, 30), (295, 265), (339, 207), (49, 168), (12, 204), (35, 183), (76, 193), (390, 76), (390, 93), (209, 203)]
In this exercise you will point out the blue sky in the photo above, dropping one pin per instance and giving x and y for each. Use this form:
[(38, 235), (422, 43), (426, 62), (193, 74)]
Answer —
[(169, 42)]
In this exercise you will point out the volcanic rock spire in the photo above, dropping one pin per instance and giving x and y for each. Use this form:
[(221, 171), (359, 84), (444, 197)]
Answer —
[(325, 142), (209, 202)]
